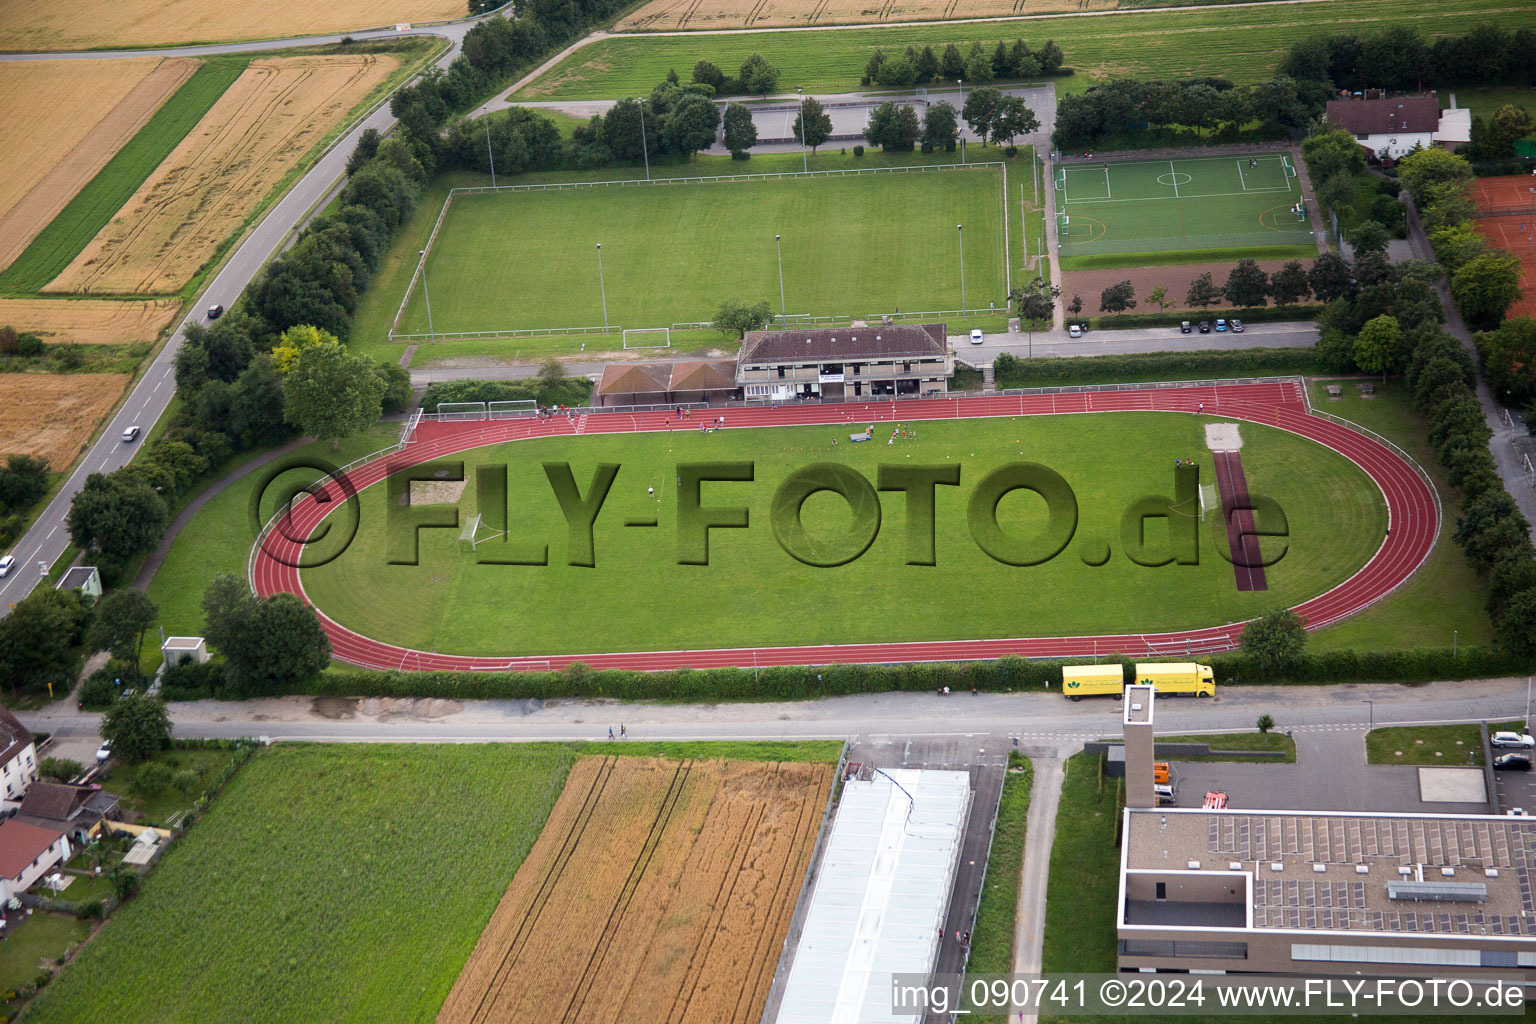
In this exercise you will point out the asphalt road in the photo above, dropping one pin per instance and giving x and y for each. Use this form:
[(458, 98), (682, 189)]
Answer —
[(47, 538)]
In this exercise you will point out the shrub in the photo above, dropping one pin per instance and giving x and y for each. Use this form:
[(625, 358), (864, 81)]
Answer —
[(98, 691), (59, 769), (153, 778), (858, 151)]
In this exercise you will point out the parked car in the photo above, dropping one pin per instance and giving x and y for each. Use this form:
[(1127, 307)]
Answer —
[(976, 336), (1512, 763), (1075, 331), (1237, 327), (104, 751), (1205, 327), (1221, 325), (6, 563), (215, 311), (1184, 327), (131, 434), (1512, 739)]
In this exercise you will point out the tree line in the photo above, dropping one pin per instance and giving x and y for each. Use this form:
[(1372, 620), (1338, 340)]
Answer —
[(1282, 107), (991, 113), (912, 66), (1402, 60)]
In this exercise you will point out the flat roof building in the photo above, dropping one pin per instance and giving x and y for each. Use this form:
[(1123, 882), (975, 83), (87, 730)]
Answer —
[(863, 361)]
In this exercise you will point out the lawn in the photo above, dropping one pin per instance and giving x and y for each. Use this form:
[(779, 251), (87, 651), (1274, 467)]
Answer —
[(42, 937), (752, 592), (94, 206), (1113, 213), (1443, 603), (1431, 744), (672, 253), (331, 883), (992, 949), (158, 806), (1274, 740), (1085, 865), (1244, 45), (1485, 102)]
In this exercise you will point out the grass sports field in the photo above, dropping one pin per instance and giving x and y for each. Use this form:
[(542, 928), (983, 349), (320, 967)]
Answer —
[(1244, 45), (638, 598), (1107, 211), (853, 245)]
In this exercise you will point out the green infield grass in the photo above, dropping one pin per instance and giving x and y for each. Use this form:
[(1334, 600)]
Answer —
[(638, 597), (1110, 214), (855, 245), (1244, 45), (95, 204)]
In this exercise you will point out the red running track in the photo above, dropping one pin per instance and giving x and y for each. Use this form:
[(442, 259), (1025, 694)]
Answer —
[(1413, 525)]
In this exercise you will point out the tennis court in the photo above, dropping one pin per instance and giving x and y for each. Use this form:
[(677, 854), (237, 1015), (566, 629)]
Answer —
[(1116, 213), (1507, 217)]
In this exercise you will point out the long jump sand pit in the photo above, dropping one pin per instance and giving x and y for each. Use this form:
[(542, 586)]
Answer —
[(659, 15), (257, 131), (61, 122), (89, 321), (53, 415), (46, 25), (659, 892)]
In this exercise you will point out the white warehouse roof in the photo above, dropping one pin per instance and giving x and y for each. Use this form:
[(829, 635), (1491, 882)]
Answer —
[(881, 898)]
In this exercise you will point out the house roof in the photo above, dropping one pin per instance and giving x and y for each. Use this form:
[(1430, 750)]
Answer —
[(53, 801), (880, 341), (1455, 125), (1383, 117), (703, 376), (21, 844), (14, 737), (634, 378), (77, 578)]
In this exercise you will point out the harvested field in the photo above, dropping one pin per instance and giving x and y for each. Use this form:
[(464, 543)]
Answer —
[(53, 416), (1177, 279), (89, 321), (259, 129), (41, 171), (662, 15), (658, 892), (42, 25)]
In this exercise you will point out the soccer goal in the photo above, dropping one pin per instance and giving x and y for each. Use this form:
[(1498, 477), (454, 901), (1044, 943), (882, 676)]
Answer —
[(461, 411), (1063, 224), (474, 533), (511, 408), (1208, 499), (648, 337), (408, 432)]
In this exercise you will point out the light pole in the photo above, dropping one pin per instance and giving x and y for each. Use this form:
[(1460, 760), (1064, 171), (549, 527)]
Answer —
[(490, 155), (601, 286), (427, 293), (644, 150), (1372, 712), (805, 164), (783, 310), (960, 232)]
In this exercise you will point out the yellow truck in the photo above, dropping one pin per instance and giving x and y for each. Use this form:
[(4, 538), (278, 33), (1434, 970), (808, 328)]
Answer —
[(1178, 677), (1079, 681)]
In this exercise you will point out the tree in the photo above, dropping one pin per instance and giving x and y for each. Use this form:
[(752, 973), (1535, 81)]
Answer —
[(137, 727), (1508, 125), (1051, 58), (285, 354), (23, 480), (892, 127), (692, 125), (1444, 204), (59, 769), (981, 108), (1428, 167), (267, 644), (1333, 152), (1274, 639), (1012, 119), (872, 67), (1076, 305), (1516, 627), (740, 129), (1368, 236), (1118, 298), (122, 619), (978, 68), (1489, 526), (708, 74), (1377, 346), (367, 146), (1330, 278), (1247, 285), (1265, 723), (940, 126), (927, 65), (152, 779), (1159, 297), (738, 318), (623, 130), (758, 76), (1288, 284), (1457, 244), (1509, 360), (1202, 291), (118, 516), (813, 125), (38, 637), (951, 64), (1036, 302), (551, 373), (331, 393), (898, 73), (1486, 286)]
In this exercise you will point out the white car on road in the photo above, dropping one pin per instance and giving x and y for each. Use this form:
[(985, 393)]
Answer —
[(6, 563), (976, 336), (1513, 739)]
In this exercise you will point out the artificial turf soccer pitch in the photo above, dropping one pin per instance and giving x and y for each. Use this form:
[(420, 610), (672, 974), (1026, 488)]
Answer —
[(853, 245), (1107, 212), (637, 597)]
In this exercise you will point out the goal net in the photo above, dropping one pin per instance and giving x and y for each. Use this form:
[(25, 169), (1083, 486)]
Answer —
[(408, 432), (473, 532), (509, 408), (1208, 499), (648, 337), (461, 411)]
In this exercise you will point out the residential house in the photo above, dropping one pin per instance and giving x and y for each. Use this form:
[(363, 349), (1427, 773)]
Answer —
[(27, 852), (18, 759), (77, 811), (1390, 127)]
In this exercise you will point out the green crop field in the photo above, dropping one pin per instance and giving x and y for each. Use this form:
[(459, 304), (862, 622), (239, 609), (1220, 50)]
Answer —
[(854, 245), (637, 596), (95, 204), (1243, 44), (1114, 214)]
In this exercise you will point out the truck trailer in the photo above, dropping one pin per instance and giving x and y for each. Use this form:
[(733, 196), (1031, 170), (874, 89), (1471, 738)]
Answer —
[(1178, 677), (1079, 681)]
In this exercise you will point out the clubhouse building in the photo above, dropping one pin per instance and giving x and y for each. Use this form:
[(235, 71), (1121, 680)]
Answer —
[(845, 363)]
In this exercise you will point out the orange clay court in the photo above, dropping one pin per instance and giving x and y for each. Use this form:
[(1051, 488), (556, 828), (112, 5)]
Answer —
[(1507, 218), (659, 892)]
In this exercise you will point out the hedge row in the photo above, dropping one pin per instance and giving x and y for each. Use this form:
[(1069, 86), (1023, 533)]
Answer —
[(1009, 674), (1012, 372)]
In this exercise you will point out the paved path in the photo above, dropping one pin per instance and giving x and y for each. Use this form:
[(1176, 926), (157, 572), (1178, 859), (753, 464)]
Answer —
[(1039, 835)]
